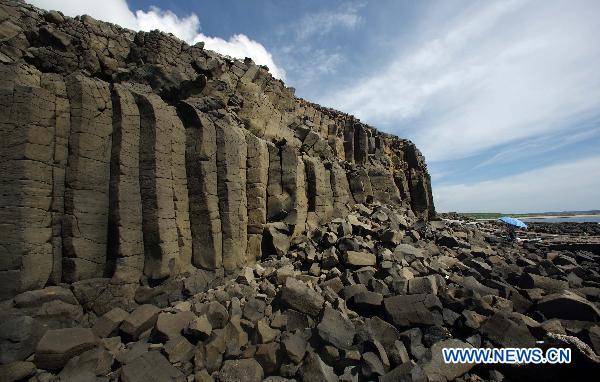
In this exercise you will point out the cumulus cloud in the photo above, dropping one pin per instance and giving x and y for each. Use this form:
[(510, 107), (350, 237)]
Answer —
[(569, 186), (186, 28), (495, 73)]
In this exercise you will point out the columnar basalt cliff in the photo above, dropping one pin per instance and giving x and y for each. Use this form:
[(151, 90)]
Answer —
[(130, 154)]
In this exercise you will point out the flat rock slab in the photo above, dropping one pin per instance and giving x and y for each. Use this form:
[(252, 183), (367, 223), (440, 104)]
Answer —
[(360, 259), (407, 251), (35, 298), (299, 296), (58, 346), (151, 367), (406, 310)]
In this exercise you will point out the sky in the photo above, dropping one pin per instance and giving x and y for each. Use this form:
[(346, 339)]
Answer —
[(502, 97)]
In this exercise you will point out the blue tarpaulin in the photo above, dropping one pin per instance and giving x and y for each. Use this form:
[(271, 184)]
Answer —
[(512, 221)]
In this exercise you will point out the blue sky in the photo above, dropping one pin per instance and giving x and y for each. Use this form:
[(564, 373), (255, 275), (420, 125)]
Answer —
[(502, 97)]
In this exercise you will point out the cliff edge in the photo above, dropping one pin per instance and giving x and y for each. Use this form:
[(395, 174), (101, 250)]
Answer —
[(132, 154)]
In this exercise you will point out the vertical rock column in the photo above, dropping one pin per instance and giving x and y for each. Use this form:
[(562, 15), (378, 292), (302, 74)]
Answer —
[(342, 197), (26, 162), (320, 194), (125, 259), (87, 179), (62, 126), (360, 185), (275, 208), (293, 182), (361, 144), (161, 241), (257, 177), (231, 188), (201, 166), (383, 185), (180, 189), (349, 141)]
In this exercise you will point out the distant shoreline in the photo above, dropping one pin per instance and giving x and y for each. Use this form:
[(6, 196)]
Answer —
[(543, 217), (558, 216)]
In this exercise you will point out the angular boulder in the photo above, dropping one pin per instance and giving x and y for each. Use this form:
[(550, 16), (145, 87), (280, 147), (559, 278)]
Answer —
[(568, 306), (59, 345), (299, 296), (336, 329)]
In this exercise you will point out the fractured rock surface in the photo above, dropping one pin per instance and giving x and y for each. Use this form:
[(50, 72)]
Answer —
[(130, 155)]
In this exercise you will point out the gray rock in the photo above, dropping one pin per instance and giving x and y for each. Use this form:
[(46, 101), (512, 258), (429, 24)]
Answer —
[(151, 367), (359, 259), (169, 326), (336, 329), (294, 345), (141, 319), (241, 370), (507, 331), (408, 252), (178, 349), (16, 371), (435, 368), (58, 346), (269, 357), (530, 281), (37, 298), (107, 325), (298, 295), (568, 306), (254, 309), (314, 369), (413, 309), (88, 365), (421, 285), (199, 328)]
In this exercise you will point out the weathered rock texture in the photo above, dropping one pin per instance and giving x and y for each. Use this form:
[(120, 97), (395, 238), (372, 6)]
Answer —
[(127, 154)]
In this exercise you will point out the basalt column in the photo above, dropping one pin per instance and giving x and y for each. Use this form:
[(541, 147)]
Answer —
[(161, 241), (257, 177), (342, 198), (87, 179), (201, 165), (126, 241), (231, 188), (26, 162), (62, 126), (293, 182), (320, 194)]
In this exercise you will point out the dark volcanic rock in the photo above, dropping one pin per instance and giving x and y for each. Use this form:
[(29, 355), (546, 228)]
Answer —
[(336, 329), (57, 346), (413, 309), (568, 306), (298, 295), (151, 366)]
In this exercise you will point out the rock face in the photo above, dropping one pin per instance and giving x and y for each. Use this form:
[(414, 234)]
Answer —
[(133, 154)]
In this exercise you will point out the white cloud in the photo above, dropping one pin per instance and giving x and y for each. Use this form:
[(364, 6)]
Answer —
[(563, 187), (186, 28), (497, 73), (325, 21)]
